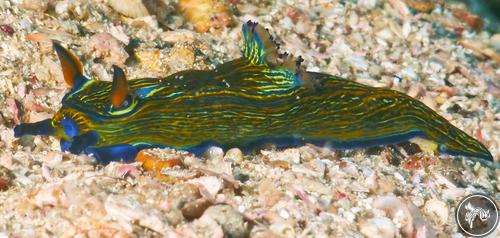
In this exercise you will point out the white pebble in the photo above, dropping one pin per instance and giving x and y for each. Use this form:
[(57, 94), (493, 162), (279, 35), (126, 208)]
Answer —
[(284, 214), (234, 154), (214, 153), (379, 227), (358, 62), (437, 208)]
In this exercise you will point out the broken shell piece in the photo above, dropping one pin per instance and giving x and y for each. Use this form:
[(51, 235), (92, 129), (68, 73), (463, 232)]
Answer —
[(401, 7), (205, 227), (105, 46), (314, 186), (438, 209), (181, 57), (52, 159), (5, 161), (38, 116), (268, 193), (473, 21), (262, 232), (119, 170), (368, 4), (229, 218), (308, 153), (224, 176), (149, 59), (14, 109), (6, 178), (406, 213), (177, 36), (204, 14), (495, 41), (21, 89), (480, 49), (51, 194), (380, 227), (130, 8), (175, 175), (119, 33), (35, 5), (127, 209), (208, 185), (43, 39), (282, 229), (291, 155)]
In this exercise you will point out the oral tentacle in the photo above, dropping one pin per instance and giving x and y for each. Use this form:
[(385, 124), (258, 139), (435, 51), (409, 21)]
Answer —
[(38, 128)]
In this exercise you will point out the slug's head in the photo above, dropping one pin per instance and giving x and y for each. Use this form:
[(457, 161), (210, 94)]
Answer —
[(87, 105)]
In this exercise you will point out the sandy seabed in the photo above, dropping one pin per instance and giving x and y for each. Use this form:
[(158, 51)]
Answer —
[(436, 53)]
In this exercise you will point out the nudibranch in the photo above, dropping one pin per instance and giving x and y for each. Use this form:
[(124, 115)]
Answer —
[(263, 97)]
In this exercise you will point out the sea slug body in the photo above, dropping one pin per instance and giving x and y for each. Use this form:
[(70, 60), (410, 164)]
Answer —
[(262, 97)]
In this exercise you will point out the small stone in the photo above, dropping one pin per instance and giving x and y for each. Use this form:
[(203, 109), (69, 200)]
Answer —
[(425, 6), (149, 59), (473, 21), (181, 57), (234, 154), (196, 208), (229, 218), (214, 153), (6, 177), (105, 46), (204, 14), (308, 153), (7, 29)]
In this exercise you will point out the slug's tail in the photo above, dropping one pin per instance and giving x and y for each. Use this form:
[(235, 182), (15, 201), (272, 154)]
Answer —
[(453, 141), (449, 139), (414, 115)]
